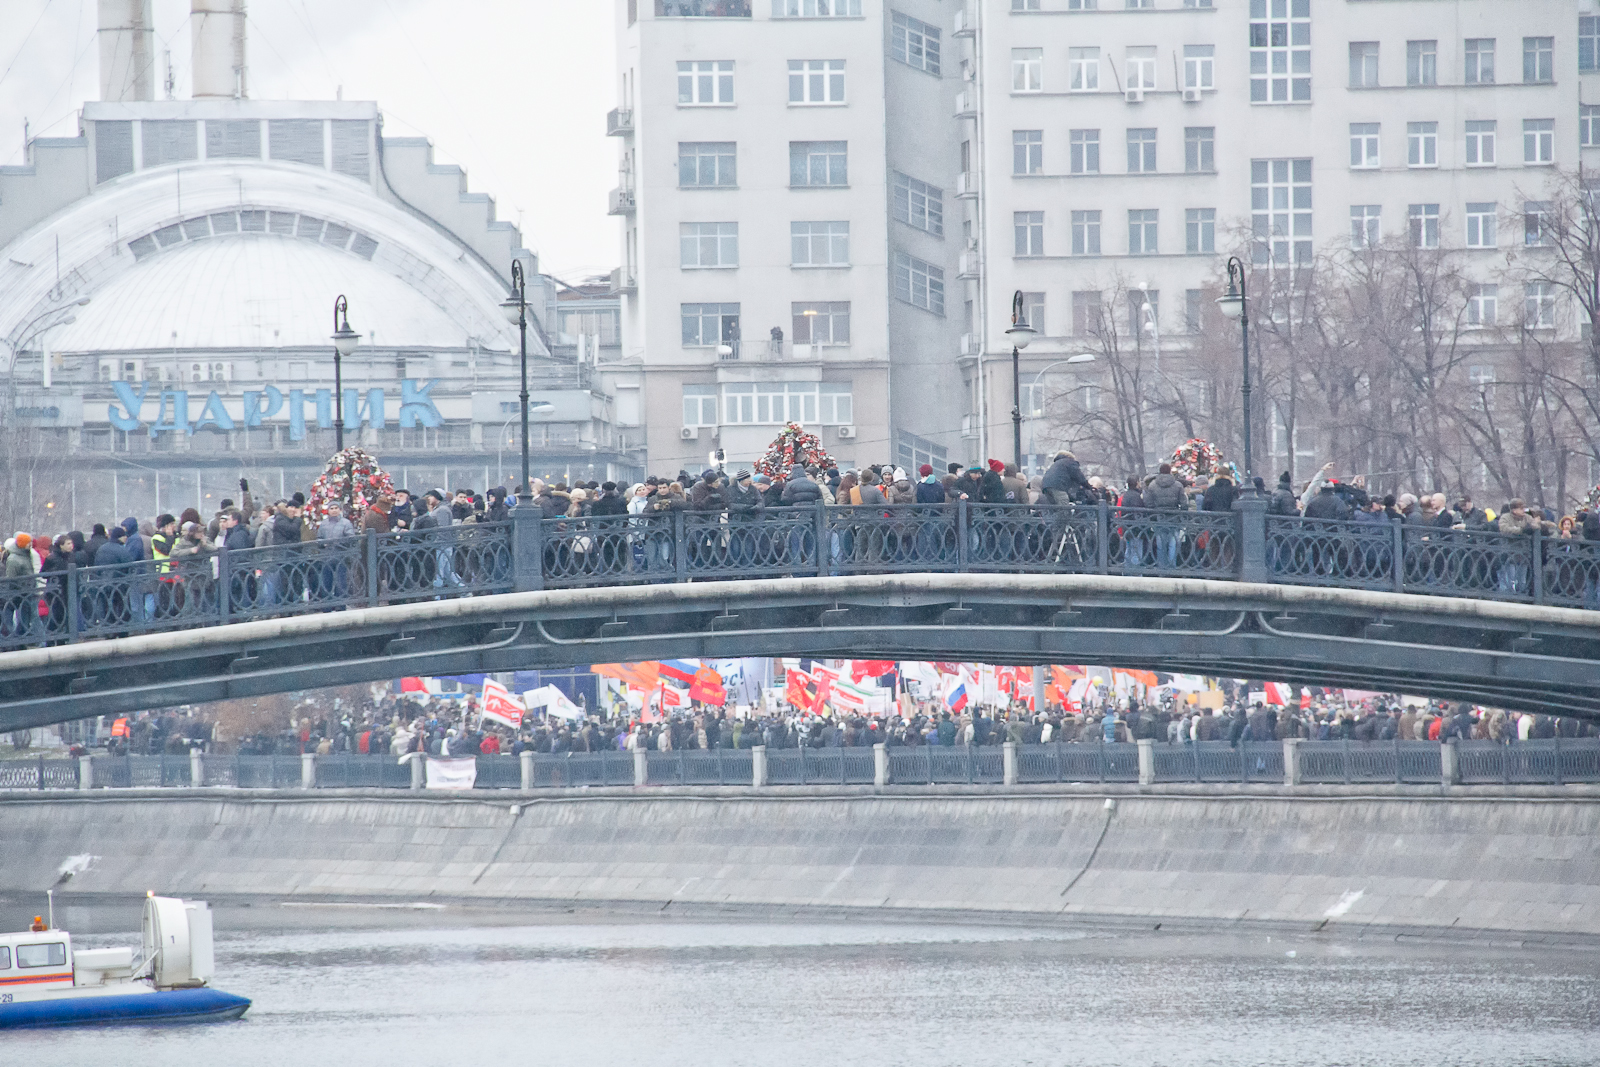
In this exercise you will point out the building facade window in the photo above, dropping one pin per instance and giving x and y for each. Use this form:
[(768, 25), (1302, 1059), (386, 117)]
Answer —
[(1422, 62), (708, 244), (1033, 311), (1027, 151), (1538, 141), (1539, 305), (1199, 149), (1538, 221), (1483, 305), (708, 325), (1424, 220), (826, 323), (816, 81), (1142, 232), (1086, 233), (707, 164), (1028, 229), (816, 9), (918, 283), (1141, 67), (1027, 70), (1280, 211), (1200, 230), (705, 83), (1480, 225), (914, 43), (1085, 151), (699, 405), (1023, 5), (1589, 125), (1366, 225), (1363, 64), (1199, 66), (1588, 43), (1364, 146), (819, 244), (1538, 59), (918, 204), (1141, 151), (1280, 51), (1479, 66), (1085, 313), (1480, 142), (818, 163), (1084, 69), (1422, 144), (775, 403)]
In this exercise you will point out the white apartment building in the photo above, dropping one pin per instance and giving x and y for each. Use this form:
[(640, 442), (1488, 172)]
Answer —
[(792, 237), (1124, 147)]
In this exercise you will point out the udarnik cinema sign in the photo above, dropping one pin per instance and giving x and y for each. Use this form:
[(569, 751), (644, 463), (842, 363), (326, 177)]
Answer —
[(159, 410)]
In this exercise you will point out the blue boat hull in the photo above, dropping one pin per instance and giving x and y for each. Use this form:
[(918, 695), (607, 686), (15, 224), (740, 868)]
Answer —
[(146, 1009)]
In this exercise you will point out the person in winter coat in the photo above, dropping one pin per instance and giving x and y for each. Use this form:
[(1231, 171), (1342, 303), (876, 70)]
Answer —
[(233, 534), (1016, 486), (1064, 482), (991, 487), (1283, 501), (1166, 493), (707, 494), (115, 548), (608, 503), (901, 491), (334, 527), (497, 511), (744, 499), (404, 512), (377, 517), (1327, 504), (1220, 495), (968, 486), (135, 542), (19, 556), (929, 489), (801, 490), (1518, 521)]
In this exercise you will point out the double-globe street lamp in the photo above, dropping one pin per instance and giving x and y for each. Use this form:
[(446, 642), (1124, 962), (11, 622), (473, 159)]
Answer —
[(1233, 304), (345, 341)]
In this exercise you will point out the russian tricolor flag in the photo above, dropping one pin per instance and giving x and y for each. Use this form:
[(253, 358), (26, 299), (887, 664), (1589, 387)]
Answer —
[(955, 692), (682, 670)]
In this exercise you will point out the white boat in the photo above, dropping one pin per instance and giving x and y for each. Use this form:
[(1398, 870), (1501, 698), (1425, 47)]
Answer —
[(44, 981)]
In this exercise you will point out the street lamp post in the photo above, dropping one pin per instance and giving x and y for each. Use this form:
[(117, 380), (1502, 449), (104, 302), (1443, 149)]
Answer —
[(1020, 333), (515, 307), (345, 341), (1234, 304)]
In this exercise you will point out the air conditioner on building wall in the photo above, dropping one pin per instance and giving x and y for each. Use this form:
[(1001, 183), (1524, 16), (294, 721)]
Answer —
[(1134, 96), (847, 433), (690, 433), (1191, 96)]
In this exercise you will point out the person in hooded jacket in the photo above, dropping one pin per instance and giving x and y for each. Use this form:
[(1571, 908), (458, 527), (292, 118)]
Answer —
[(498, 511), (1166, 493), (1283, 501), (1064, 482), (1219, 495)]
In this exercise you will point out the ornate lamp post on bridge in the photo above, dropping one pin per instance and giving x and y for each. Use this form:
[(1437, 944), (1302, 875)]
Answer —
[(1020, 333), (345, 341), (1235, 304), (515, 307)]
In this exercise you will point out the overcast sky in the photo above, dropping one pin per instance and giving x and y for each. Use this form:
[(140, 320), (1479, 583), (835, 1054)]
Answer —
[(514, 91)]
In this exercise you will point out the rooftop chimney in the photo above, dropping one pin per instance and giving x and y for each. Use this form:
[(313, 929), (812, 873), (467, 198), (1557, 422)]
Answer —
[(127, 57), (218, 61)]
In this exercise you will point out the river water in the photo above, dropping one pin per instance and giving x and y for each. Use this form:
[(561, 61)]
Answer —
[(352, 987)]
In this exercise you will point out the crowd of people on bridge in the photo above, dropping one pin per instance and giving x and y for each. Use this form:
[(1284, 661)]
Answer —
[(175, 548)]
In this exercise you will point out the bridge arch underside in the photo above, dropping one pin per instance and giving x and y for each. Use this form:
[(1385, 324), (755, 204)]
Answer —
[(1506, 655)]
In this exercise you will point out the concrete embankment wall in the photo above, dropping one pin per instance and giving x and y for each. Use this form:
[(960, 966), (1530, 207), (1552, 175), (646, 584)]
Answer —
[(1505, 860)]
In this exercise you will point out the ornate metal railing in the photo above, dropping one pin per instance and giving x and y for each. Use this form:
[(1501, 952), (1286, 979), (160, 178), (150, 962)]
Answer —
[(530, 553), (1555, 761)]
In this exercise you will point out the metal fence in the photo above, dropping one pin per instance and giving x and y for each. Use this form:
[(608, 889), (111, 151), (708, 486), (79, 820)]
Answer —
[(1558, 761), (680, 546)]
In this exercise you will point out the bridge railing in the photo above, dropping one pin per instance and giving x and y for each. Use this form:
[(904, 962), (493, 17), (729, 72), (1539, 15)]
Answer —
[(1556, 761), (530, 552)]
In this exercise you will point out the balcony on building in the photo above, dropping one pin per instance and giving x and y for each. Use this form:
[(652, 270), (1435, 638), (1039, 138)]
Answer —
[(623, 282), (705, 9), (970, 265), (619, 121), (966, 186), (621, 201)]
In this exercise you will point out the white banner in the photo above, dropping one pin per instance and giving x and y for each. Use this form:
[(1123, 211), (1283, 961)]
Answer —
[(452, 773), (553, 701), (500, 706)]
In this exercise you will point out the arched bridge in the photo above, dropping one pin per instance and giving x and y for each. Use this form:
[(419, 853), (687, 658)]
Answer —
[(1454, 614)]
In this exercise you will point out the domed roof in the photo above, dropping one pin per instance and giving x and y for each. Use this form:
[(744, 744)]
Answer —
[(254, 291)]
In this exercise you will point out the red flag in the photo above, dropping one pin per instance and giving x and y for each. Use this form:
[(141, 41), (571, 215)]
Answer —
[(800, 689), (707, 687)]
